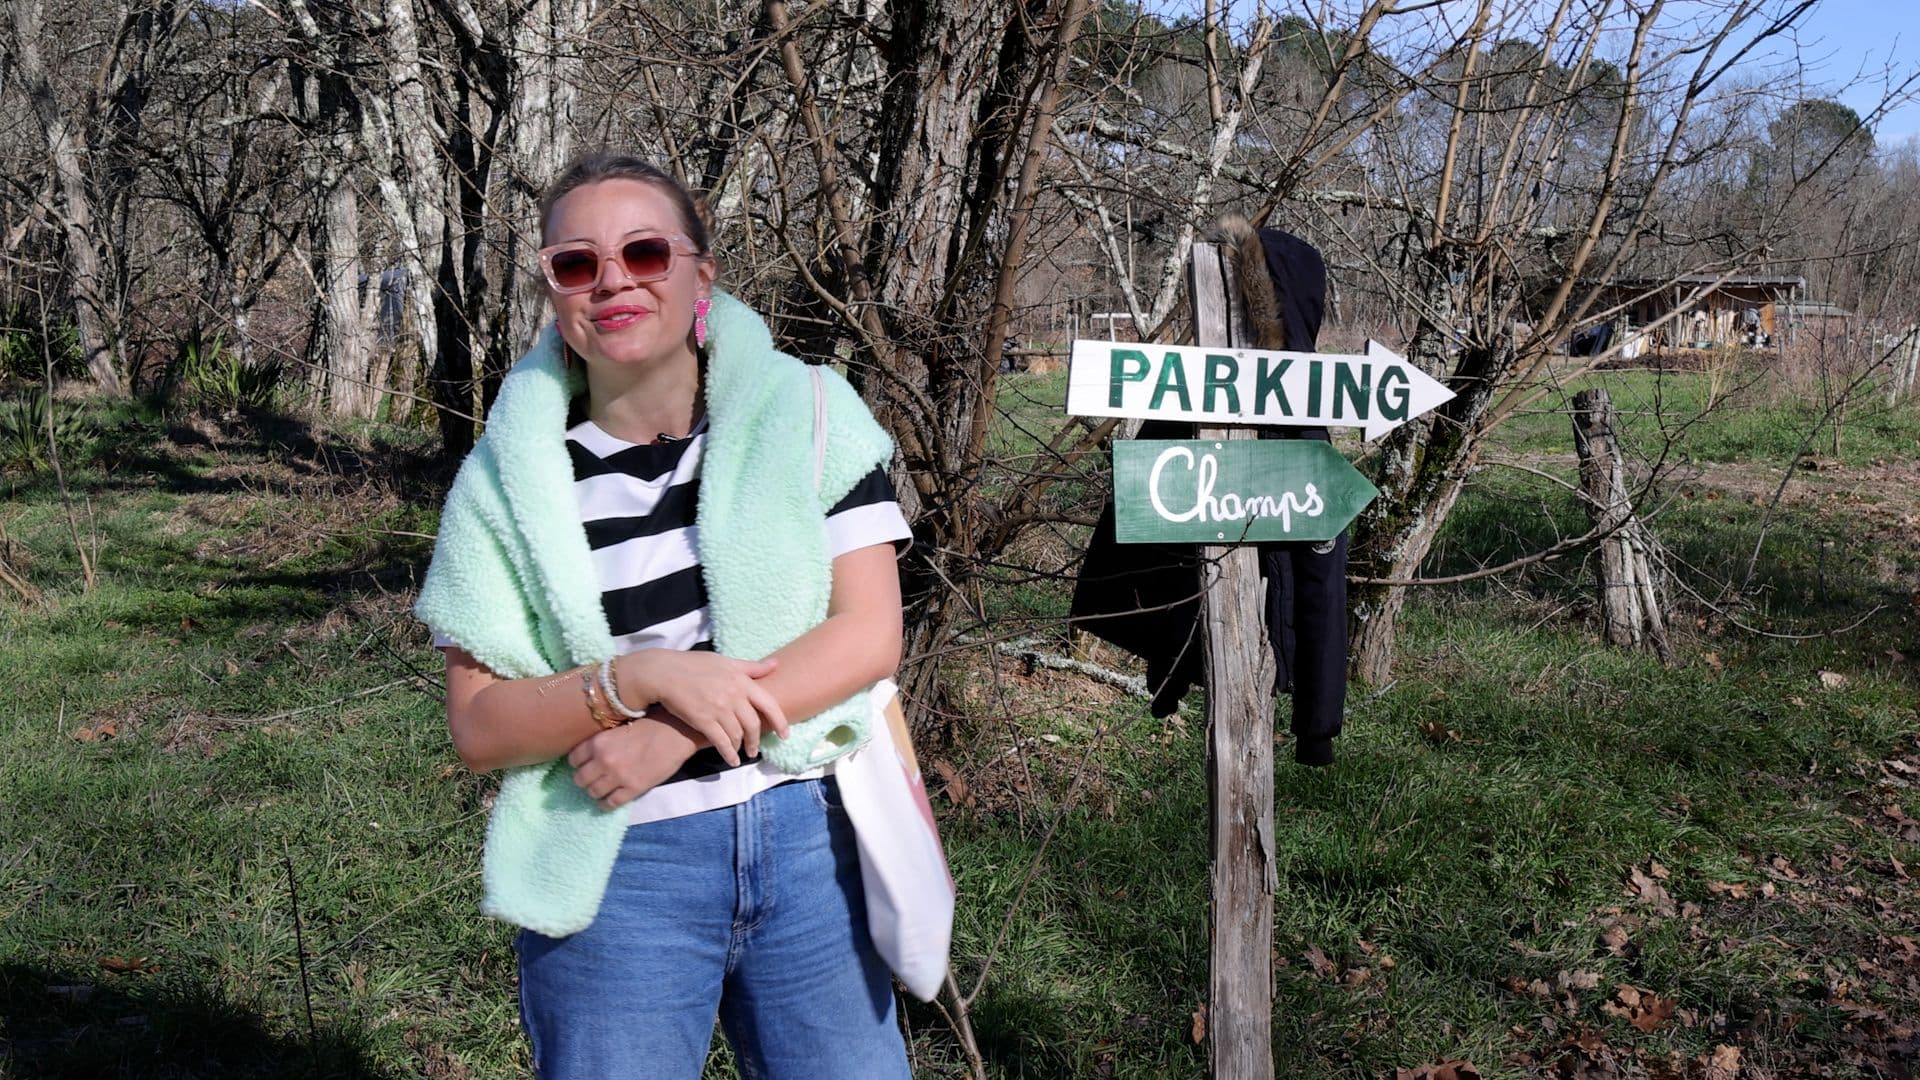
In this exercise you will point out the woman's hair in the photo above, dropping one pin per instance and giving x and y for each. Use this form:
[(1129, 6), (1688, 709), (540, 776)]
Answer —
[(609, 165)]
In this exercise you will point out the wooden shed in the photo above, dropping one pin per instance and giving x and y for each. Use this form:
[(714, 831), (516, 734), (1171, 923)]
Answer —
[(1812, 323), (1706, 310)]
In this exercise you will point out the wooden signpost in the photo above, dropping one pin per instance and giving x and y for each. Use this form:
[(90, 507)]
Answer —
[(1222, 490), (1239, 745)]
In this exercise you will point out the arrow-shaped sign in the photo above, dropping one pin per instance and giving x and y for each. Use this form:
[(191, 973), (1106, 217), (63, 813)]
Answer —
[(1376, 391), (1227, 492)]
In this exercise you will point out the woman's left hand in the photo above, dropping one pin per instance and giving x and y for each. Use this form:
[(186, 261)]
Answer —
[(621, 764)]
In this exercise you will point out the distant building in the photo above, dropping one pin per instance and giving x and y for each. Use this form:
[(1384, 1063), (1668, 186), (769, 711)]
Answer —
[(1701, 311), (1813, 324), (1113, 326)]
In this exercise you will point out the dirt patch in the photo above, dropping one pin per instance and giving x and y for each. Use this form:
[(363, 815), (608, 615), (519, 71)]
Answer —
[(1029, 731), (289, 528)]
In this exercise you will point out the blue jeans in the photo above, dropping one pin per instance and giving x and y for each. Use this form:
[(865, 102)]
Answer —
[(751, 913)]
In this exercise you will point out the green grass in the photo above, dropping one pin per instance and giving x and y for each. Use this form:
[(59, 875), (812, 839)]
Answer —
[(1479, 827), (1750, 417)]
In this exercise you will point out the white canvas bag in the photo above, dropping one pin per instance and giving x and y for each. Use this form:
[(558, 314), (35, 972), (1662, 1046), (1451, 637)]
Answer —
[(903, 869)]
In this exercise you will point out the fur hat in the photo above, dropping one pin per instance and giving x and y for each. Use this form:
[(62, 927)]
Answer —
[(1283, 279)]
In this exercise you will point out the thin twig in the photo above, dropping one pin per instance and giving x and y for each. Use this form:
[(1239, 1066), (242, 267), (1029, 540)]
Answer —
[(367, 929), (1727, 615), (369, 691), (1022, 649), (300, 943)]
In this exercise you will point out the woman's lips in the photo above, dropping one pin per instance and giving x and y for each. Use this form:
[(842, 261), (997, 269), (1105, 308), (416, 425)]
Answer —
[(619, 318)]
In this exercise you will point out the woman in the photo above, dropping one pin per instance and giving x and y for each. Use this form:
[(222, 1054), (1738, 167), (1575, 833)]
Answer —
[(661, 608)]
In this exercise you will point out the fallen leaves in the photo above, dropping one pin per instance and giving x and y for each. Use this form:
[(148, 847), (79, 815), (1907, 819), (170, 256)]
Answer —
[(1316, 959), (1586, 1055), (1722, 1064), (1199, 1030), (98, 732), (1740, 890), (1445, 1070), (956, 785), (1644, 1009), (1645, 887), (129, 965), (1559, 989)]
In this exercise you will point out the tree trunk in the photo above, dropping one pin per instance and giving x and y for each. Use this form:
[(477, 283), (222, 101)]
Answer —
[(545, 63), (66, 153), (1391, 537), (1630, 606), (396, 133), (347, 345), (1422, 468)]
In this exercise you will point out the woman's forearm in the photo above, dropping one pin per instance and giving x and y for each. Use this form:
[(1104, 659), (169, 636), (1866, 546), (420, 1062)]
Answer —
[(857, 645), (500, 723), (830, 663)]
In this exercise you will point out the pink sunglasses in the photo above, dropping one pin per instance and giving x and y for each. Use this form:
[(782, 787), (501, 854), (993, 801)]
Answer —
[(574, 266)]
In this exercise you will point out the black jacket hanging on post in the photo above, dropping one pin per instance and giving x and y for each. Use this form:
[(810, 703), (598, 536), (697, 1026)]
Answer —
[(1145, 598)]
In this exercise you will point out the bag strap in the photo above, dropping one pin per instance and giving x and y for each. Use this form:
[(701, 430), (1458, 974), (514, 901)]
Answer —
[(819, 425)]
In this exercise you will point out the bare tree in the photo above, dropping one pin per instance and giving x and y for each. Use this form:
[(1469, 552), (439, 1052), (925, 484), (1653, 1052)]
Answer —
[(86, 132)]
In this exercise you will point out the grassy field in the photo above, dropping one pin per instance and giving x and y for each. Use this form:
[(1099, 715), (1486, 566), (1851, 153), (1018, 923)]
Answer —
[(234, 841)]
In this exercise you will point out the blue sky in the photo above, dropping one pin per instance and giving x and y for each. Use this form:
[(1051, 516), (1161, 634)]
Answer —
[(1849, 38), (1853, 50)]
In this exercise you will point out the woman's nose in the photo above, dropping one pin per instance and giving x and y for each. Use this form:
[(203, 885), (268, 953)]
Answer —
[(613, 273)]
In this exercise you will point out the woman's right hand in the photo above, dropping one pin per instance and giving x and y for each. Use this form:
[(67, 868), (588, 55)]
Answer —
[(718, 696)]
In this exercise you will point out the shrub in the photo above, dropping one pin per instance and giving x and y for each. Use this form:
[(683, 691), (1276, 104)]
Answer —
[(23, 353), (216, 380), (23, 431)]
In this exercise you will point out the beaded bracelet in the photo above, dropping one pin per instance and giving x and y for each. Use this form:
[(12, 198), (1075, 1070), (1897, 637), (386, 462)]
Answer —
[(597, 706), (613, 694)]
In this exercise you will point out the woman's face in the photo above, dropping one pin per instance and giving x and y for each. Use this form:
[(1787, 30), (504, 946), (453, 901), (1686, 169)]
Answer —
[(620, 321)]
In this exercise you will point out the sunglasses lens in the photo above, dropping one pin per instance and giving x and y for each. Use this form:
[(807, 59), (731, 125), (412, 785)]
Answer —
[(648, 257), (574, 268)]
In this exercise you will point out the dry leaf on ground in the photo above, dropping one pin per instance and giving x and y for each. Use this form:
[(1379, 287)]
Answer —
[(956, 788), (1317, 960), (129, 965), (1649, 891), (1644, 1009), (1722, 1064), (105, 729), (1445, 1070)]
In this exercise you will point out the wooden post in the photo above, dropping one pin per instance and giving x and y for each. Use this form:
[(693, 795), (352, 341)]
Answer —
[(1906, 366), (1630, 603), (1239, 747)]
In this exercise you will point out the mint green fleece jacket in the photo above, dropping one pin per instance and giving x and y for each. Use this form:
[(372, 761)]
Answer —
[(512, 580)]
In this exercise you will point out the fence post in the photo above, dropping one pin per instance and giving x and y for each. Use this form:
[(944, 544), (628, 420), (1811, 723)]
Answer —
[(1239, 746), (1906, 365), (1630, 603)]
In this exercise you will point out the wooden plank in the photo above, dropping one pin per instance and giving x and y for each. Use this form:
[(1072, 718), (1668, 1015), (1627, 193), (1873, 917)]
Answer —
[(1239, 748)]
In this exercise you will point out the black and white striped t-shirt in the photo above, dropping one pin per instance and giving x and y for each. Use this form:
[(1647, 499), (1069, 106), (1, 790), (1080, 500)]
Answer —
[(638, 502)]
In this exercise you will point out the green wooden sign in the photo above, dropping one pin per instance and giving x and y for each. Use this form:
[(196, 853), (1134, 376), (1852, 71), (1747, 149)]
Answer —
[(1172, 491)]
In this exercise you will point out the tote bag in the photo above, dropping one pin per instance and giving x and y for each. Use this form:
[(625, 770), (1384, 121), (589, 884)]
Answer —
[(903, 868)]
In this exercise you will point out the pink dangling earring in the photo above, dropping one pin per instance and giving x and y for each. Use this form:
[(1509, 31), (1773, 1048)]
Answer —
[(700, 309)]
